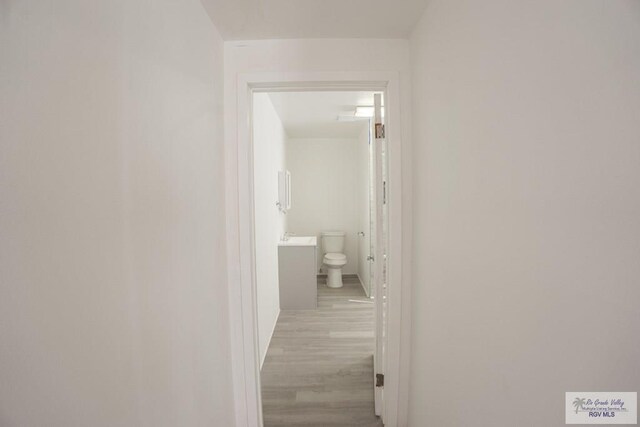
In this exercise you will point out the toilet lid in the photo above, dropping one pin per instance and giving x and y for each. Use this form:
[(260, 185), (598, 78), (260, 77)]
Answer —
[(333, 256)]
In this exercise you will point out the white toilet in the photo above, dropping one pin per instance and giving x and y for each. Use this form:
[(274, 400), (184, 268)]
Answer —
[(334, 258)]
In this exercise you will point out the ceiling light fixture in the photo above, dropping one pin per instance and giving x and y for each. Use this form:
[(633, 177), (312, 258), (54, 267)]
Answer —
[(366, 111)]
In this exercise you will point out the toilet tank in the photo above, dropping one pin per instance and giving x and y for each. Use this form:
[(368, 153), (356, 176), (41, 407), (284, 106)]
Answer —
[(332, 241)]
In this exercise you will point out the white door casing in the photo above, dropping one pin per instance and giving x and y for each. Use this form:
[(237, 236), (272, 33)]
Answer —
[(240, 234)]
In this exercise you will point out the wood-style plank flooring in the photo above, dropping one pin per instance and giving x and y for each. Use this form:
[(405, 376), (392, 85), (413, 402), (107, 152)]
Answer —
[(319, 366)]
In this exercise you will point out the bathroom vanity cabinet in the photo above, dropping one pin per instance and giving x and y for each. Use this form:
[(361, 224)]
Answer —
[(297, 267)]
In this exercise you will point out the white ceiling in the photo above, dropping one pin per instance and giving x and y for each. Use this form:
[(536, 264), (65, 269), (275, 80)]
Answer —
[(280, 19), (315, 114)]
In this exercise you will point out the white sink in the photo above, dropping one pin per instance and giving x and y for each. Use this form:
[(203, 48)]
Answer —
[(299, 241)]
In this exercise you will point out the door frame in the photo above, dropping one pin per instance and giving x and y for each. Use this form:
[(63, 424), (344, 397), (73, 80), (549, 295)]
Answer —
[(245, 358)]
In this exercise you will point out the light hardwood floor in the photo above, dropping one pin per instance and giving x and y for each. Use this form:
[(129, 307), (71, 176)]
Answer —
[(319, 366)]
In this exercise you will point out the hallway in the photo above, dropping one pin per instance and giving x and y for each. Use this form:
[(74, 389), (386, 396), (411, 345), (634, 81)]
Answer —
[(319, 367), (129, 252)]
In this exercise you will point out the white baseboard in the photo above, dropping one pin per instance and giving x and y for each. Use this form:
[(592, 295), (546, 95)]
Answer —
[(270, 337), (362, 284)]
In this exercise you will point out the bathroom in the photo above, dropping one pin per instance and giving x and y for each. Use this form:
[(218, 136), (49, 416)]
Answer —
[(314, 218)]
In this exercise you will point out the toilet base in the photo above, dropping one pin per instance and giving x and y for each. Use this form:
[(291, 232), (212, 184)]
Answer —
[(334, 277)]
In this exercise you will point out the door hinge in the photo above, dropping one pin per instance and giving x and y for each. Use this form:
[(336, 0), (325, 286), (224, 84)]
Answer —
[(379, 380)]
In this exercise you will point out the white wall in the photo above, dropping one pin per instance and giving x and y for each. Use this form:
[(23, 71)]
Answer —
[(364, 190), (269, 139), (324, 192), (113, 297), (526, 171)]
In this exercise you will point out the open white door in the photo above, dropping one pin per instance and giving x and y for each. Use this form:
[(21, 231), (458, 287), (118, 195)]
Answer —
[(379, 259)]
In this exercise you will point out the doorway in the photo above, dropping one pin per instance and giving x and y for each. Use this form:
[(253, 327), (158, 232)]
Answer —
[(245, 352), (316, 159)]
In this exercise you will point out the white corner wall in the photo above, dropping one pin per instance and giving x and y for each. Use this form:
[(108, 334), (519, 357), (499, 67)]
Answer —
[(113, 294), (324, 192), (269, 139), (526, 127)]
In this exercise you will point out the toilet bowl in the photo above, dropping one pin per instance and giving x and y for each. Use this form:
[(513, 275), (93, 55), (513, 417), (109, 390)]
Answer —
[(334, 263), (334, 258)]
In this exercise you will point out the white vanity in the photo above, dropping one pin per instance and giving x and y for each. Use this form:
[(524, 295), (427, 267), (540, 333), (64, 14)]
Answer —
[(297, 267)]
